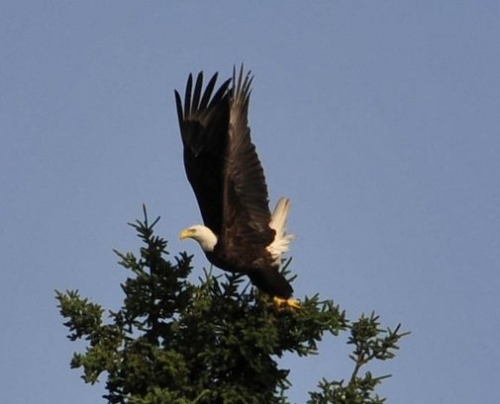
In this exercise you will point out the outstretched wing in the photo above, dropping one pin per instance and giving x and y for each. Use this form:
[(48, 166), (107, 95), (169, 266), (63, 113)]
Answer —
[(204, 125), (246, 203)]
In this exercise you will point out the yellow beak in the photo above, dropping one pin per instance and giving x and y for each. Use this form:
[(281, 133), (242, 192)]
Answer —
[(186, 233)]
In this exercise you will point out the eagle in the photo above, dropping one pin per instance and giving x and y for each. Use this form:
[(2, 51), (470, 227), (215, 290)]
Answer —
[(239, 233)]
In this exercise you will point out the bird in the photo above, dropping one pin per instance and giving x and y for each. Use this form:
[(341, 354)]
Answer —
[(239, 233)]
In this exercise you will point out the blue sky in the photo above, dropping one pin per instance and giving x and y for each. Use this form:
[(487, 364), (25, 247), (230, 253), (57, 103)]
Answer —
[(379, 119)]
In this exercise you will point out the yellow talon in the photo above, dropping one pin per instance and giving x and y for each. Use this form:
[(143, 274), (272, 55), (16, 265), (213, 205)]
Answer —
[(292, 303)]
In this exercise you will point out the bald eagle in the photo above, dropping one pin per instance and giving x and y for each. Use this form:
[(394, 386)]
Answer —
[(239, 233)]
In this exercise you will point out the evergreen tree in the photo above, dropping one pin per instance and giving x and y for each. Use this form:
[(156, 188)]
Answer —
[(214, 341)]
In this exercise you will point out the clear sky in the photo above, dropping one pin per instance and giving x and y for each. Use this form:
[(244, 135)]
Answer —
[(380, 119)]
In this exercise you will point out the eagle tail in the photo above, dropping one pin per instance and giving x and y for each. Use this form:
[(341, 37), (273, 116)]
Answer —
[(281, 240)]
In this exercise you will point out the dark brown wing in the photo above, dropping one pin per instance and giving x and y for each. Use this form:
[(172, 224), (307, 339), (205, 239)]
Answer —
[(204, 125), (246, 204)]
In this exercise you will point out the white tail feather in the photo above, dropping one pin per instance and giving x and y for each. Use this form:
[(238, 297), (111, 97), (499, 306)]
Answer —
[(281, 240)]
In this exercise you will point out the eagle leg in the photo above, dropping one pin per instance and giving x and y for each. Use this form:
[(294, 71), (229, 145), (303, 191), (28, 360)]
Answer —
[(281, 303)]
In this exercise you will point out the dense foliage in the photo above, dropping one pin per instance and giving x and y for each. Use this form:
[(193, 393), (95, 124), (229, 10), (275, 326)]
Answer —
[(214, 341)]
